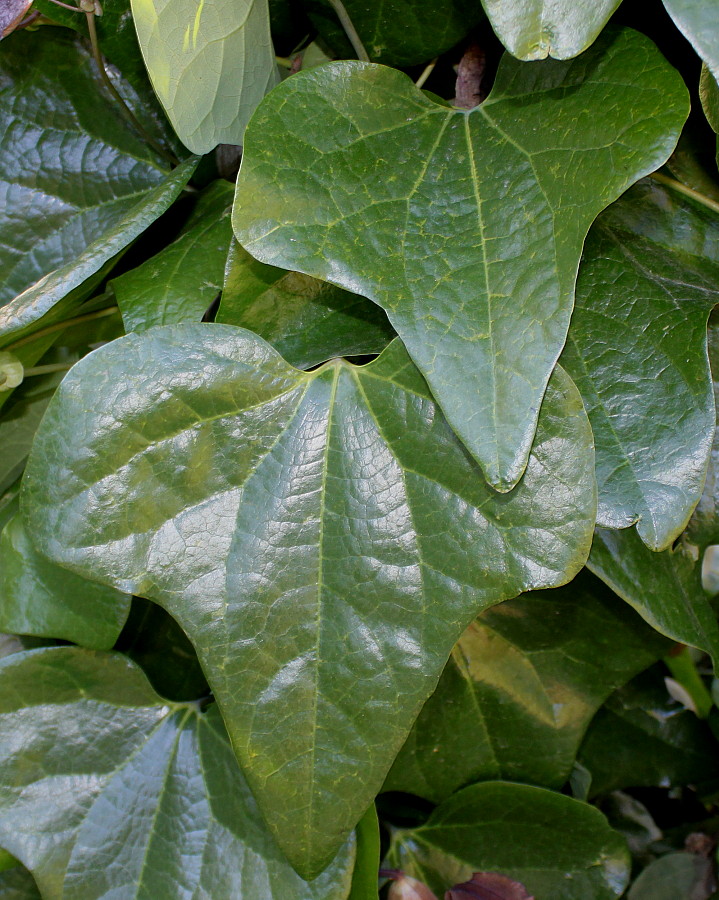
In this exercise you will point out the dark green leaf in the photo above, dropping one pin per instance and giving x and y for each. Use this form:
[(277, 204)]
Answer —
[(51, 298), (19, 423), (637, 352), (18, 884), (180, 282), (306, 320), (709, 94), (397, 32), (479, 290), (106, 790), (534, 29), (210, 64), (664, 588), (676, 876), (70, 167), (331, 515), (521, 687), (644, 738), (40, 598), (559, 848), (698, 22)]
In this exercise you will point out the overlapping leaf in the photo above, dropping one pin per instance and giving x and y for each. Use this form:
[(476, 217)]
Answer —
[(306, 320), (424, 209), (180, 282), (70, 167), (637, 352), (534, 29), (522, 832), (144, 800), (520, 688), (322, 537), (210, 64)]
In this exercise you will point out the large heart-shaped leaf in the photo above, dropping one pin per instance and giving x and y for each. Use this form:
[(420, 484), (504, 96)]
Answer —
[(637, 351), (210, 64), (522, 832), (424, 209), (520, 688), (108, 790), (534, 29), (70, 168), (322, 537)]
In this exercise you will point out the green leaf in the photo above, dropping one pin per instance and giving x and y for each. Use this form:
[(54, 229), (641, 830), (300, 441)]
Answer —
[(180, 282), (697, 21), (559, 848), (709, 94), (365, 875), (153, 805), (50, 299), (40, 598), (535, 29), (644, 738), (479, 291), (331, 515), (306, 320), (676, 876), (520, 688), (18, 884), (70, 167), (397, 32), (637, 351), (210, 64), (664, 588)]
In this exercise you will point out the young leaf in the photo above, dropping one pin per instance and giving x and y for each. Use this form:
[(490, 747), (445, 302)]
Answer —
[(70, 167), (520, 688), (697, 20), (534, 29), (479, 290), (40, 598), (522, 832), (209, 62), (644, 294), (180, 282), (331, 516), (664, 588), (306, 320), (107, 790)]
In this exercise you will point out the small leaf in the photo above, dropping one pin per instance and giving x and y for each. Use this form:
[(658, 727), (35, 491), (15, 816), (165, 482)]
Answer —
[(306, 320), (210, 64), (332, 515), (479, 291), (521, 832), (709, 94), (107, 790)]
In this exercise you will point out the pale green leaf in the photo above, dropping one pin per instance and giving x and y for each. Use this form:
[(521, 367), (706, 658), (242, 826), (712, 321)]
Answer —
[(210, 63), (699, 23), (425, 210), (332, 516), (106, 790)]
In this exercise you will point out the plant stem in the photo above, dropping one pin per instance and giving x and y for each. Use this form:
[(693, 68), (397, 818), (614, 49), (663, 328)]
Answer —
[(46, 370), (61, 326), (426, 72), (124, 108), (350, 30), (66, 6), (687, 191)]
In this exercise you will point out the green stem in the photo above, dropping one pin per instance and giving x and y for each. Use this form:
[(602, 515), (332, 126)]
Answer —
[(350, 30), (61, 326), (426, 72), (687, 191), (681, 665), (47, 370)]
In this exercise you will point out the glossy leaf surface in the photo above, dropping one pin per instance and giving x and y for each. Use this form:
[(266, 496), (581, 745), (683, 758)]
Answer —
[(180, 282), (521, 687), (306, 320), (642, 737), (50, 299), (70, 167), (153, 806), (535, 29), (697, 20), (40, 598), (519, 831), (637, 351), (664, 588), (332, 516), (480, 292), (210, 64)]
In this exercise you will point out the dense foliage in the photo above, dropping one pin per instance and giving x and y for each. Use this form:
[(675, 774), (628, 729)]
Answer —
[(359, 521)]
